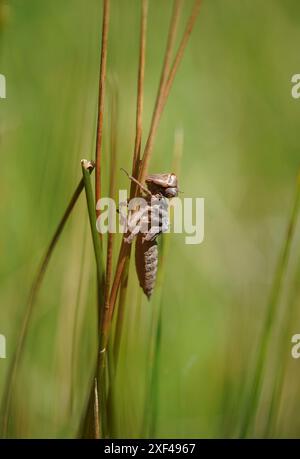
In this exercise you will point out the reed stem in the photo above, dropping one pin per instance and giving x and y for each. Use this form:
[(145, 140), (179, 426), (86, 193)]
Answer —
[(101, 97), (167, 80)]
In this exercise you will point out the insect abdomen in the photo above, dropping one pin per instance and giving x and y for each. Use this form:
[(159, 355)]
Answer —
[(146, 261)]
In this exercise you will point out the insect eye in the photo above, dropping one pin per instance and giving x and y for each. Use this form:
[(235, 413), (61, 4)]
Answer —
[(171, 192)]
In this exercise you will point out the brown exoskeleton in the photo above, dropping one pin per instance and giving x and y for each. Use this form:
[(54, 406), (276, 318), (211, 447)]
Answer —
[(147, 221)]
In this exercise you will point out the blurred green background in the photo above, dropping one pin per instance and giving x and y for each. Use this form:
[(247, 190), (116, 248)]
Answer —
[(232, 98)]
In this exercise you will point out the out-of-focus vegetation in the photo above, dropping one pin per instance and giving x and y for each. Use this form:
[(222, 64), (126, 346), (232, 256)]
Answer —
[(241, 153)]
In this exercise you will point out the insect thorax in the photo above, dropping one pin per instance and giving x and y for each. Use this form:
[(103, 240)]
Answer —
[(149, 218)]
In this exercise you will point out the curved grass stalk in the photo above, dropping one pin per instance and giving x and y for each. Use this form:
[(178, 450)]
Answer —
[(12, 372), (76, 313)]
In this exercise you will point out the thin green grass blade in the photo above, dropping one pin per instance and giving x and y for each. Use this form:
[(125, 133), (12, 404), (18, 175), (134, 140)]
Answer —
[(282, 361), (152, 377), (271, 315), (76, 313), (91, 426), (12, 372), (97, 244)]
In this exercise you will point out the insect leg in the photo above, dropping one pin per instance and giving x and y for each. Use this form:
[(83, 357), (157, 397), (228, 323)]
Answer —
[(134, 224), (137, 182)]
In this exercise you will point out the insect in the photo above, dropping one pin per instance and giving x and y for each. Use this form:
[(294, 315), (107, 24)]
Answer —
[(148, 217)]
